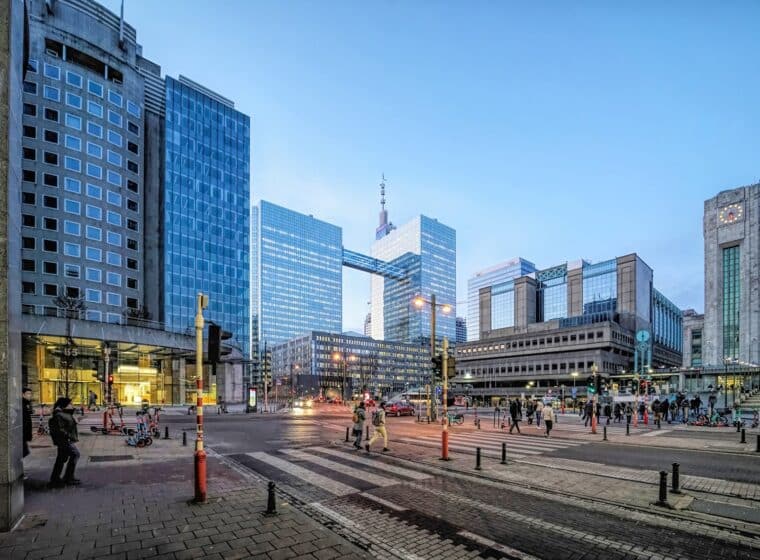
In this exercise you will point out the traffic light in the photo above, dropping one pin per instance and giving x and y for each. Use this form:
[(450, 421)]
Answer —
[(99, 374), (214, 342), (437, 367), (110, 379), (451, 370), (599, 384), (591, 385)]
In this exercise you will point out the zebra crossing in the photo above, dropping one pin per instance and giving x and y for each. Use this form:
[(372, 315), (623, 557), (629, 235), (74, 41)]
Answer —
[(490, 443)]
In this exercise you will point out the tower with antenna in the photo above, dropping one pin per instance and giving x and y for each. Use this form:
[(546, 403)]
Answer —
[(385, 227)]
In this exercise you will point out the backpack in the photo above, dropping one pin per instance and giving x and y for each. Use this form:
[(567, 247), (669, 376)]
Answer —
[(355, 417), (376, 419), (56, 434)]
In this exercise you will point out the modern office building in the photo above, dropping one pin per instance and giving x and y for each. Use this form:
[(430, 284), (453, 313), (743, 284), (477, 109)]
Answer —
[(297, 275), (335, 364), (393, 315), (732, 277), (537, 330), (368, 325), (693, 328), (491, 276), (128, 181), (206, 209), (461, 330)]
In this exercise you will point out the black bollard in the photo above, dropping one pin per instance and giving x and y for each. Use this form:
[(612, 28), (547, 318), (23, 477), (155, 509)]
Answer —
[(744, 436), (184, 437), (477, 458), (418, 418), (478, 423), (346, 435), (367, 438), (605, 434), (166, 432), (676, 479), (663, 488), (271, 502), (757, 449), (628, 429), (503, 452), (738, 426)]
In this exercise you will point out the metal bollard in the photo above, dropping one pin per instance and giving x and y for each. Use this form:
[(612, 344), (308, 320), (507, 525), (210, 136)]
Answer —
[(663, 488), (744, 436), (605, 434), (628, 429), (367, 437), (184, 437), (676, 479), (738, 426), (418, 418), (166, 432), (503, 452), (477, 458), (757, 449), (347, 435), (271, 499), (478, 423)]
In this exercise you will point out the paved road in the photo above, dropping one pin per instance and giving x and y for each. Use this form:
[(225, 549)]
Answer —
[(735, 467), (409, 510)]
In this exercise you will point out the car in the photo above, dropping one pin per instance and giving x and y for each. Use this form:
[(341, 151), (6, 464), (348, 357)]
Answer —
[(298, 403), (400, 409)]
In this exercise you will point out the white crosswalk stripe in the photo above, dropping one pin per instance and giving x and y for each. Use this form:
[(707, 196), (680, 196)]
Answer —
[(490, 443), (372, 478), (325, 483)]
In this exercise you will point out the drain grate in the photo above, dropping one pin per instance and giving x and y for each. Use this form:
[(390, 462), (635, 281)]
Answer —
[(107, 458)]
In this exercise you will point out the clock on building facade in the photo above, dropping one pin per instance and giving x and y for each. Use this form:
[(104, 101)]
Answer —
[(730, 214)]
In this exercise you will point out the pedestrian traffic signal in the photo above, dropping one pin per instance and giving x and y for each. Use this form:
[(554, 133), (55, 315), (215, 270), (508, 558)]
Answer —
[(110, 379), (214, 343), (599, 384), (591, 385), (451, 368), (437, 367)]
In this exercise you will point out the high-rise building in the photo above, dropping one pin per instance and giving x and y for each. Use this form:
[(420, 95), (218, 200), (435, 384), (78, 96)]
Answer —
[(494, 275), (435, 244), (461, 330), (297, 275), (206, 209), (368, 325), (732, 275)]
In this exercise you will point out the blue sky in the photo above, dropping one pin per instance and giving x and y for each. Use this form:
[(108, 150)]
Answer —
[(548, 130)]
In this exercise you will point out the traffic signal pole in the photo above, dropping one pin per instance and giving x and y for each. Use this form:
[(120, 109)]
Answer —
[(593, 411), (445, 419), (200, 454)]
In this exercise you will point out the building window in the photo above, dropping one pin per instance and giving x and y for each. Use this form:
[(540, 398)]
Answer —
[(72, 185), (72, 206), (73, 79), (93, 315), (52, 115), (132, 224), (132, 264), (30, 131), (132, 283), (132, 205), (114, 318), (73, 143), (132, 166), (93, 254), (49, 267), (28, 220), (113, 158), (731, 301), (132, 186), (72, 164), (115, 98), (94, 129), (94, 274), (73, 100), (94, 191), (93, 212), (113, 178), (93, 296), (30, 87), (132, 147), (132, 303), (114, 138), (28, 243), (95, 109), (113, 238), (51, 93), (133, 128), (50, 245), (132, 244), (51, 136), (50, 180), (114, 259), (28, 265), (50, 289), (94, 171), (50, 223), (72, 292), (115, 118), (94, 233), (113, 198), (72, 228), (72, 249), (28, 288), (133, 109), (30, 109), (113, 299), (95, 88), (28, 176), (52, 72), (50, 201), (72, 121), (51, 158), (28, 198), (71, 270), (113, 218), (113, 278)]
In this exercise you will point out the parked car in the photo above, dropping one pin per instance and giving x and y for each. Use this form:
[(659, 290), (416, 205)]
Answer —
[(400, 409)]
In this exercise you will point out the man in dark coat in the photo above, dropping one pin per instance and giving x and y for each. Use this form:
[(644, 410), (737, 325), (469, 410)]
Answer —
[(26, 404), (63, 431)]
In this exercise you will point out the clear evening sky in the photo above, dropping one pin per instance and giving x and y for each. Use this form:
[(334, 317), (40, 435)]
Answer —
[(548, 130)]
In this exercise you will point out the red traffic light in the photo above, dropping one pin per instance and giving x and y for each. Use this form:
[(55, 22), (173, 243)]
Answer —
[(110, 378)]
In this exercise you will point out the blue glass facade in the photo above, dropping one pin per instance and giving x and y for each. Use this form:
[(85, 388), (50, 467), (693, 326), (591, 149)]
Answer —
[(552, 293), (297, 275), (667, 322), (503, 305), (403, 321), (438, 249), (600, 287), (206, 210)]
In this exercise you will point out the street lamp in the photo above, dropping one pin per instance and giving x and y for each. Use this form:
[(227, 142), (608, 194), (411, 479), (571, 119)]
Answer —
[(594, 371), (343, 360)]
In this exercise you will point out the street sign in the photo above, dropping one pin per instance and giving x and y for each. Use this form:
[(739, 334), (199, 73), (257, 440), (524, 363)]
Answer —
[(278, 381), (252, 397), (574, 391)]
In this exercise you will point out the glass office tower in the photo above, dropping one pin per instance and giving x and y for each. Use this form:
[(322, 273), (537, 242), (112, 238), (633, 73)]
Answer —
[(297, 275), (435, 243), (207, 210)]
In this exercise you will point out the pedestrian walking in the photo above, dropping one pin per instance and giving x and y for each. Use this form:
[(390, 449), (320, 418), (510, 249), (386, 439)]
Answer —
[(529, 411), (92, 400), (608, 412), (26, 408), (359, 417), (549, 416), (378, 421), (628, 413), (539, 413), (514, 414), (588, 413), (63, 431)]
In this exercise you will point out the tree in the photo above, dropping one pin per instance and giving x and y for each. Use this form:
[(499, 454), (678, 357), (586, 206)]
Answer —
[(72, 307)]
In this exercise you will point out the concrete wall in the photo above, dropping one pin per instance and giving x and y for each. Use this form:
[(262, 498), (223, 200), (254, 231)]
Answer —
[(525, 301), (575, 292), (11, 68)]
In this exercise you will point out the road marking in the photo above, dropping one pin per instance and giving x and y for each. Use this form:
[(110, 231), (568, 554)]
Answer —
[(496, 546), (516, 440), (372, 478), (323, 482), (657, 433), (385, 503), (408, 473)]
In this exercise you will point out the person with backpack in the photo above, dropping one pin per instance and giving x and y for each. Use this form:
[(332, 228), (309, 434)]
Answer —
[(63, 431), (548, 413), (378, 422), (358, 419)]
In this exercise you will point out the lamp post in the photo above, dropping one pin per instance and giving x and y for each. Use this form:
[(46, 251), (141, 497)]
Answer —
[(342, 359), (419, 303), (575, 376), (593, 410), (200, 454), (107, 361)]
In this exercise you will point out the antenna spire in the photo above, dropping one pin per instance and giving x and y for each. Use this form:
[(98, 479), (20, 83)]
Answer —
[(385, 227)]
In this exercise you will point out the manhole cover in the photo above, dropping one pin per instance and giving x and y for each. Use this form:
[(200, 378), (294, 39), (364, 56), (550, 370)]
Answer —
[(106, 458)]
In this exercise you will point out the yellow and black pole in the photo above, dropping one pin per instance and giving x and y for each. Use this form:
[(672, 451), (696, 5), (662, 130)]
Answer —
[(445, 420), (200, 454)]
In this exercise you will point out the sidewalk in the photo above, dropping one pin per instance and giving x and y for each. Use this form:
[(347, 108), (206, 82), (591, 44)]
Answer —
[(134, 503)]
